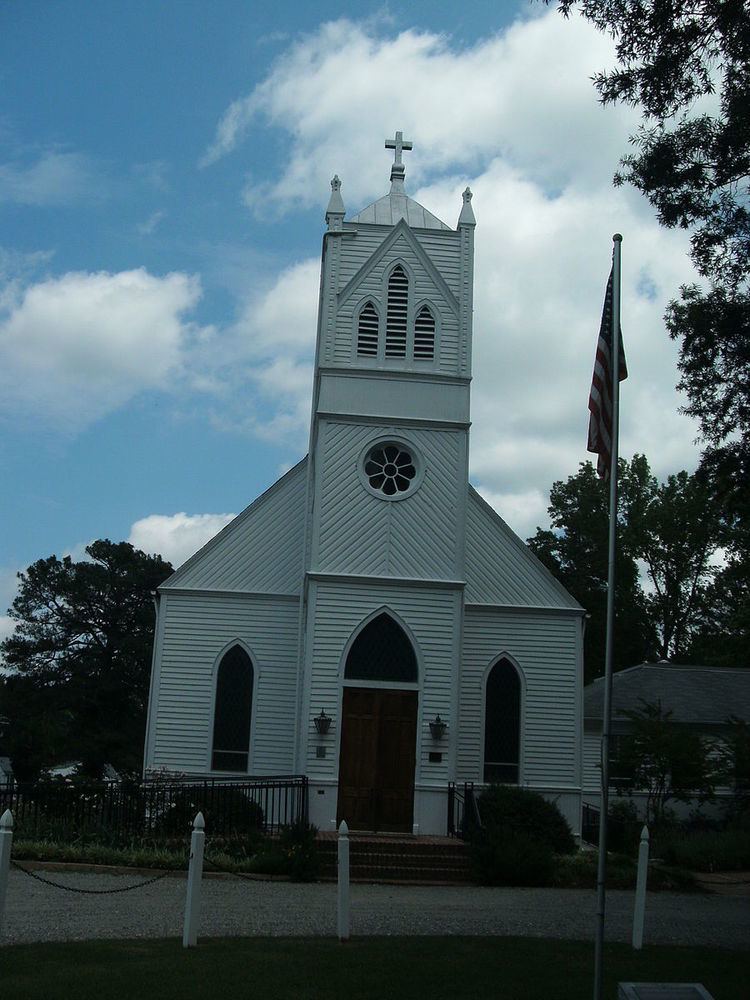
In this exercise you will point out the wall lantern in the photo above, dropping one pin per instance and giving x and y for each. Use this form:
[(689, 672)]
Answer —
[(322, 722), (437, 728)]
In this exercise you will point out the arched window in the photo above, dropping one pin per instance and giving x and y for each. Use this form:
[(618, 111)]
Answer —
[(502, 723), (424, 335), (395, 325), (382, 652), (234, 705), (368, 332)]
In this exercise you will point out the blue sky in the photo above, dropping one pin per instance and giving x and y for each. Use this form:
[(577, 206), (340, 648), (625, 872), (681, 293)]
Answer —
[(164, 172)]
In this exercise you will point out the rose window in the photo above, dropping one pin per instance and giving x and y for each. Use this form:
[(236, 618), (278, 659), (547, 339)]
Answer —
[(390, 469)]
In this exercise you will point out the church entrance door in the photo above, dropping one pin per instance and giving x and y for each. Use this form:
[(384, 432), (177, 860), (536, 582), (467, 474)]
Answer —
[(377, 759)]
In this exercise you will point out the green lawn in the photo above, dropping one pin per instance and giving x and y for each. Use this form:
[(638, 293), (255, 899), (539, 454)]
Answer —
[(363, 969)]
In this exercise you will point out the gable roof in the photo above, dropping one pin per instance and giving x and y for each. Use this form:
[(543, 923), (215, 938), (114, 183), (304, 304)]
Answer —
[(501, 569), (260, 551), (706, 695)]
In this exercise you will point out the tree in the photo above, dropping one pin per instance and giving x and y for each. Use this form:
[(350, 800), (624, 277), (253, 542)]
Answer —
[(666, 760), (686, 64), (81, 651), (672, 529), (576, 552)]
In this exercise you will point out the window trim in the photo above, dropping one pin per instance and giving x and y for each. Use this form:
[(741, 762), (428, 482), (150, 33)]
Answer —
[(367, 359), (433, 361), (255, 663), (505, 655), (399, 442)]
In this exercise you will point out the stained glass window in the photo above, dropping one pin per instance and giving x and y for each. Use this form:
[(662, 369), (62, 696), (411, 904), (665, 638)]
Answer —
[(234, 705)]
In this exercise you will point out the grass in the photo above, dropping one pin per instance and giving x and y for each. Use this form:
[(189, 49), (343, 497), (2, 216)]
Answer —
[(363, 969)]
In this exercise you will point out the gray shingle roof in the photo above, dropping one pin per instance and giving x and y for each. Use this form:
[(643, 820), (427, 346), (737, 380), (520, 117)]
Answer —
[(707, 695)]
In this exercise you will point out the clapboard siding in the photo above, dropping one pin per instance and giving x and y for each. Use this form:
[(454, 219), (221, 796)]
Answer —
[(261, 550), (592, 755), (196, 628), (545, 647), (500, 569), (430, 615), (359, 533)]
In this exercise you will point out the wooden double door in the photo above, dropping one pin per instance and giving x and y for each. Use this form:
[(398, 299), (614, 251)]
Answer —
[(377, 759)]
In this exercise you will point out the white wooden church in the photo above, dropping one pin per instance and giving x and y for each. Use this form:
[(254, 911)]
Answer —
[(371, 585)]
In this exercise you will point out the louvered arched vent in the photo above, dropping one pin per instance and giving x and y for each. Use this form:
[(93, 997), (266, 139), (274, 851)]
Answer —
[(424, 335), (395, 327), (367, 332)]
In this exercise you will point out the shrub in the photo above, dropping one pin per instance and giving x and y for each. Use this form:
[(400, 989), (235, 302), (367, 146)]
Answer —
[(299, 844), (232, 810), (623, 828), (518, 813), (500, 858), (725, 850)]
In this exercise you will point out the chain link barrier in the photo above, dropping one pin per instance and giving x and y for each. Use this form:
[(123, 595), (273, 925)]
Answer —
[(94, 892)]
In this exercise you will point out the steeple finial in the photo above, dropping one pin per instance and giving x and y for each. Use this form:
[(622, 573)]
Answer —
[(399, 144), (466, 218), (335, 211)]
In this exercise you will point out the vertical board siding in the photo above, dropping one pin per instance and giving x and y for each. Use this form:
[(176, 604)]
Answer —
[(197, 628), (359, 533), (432, 616), (261, 550), (545, 649), (500, 569)]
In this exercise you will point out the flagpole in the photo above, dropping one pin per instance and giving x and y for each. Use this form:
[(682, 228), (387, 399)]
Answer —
[(607, 713)]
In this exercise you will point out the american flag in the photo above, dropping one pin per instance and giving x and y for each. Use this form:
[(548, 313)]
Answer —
[(600, 398)]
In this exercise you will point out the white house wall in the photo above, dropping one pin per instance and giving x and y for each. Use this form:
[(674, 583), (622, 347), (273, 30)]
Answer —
[(260, 551), (500, 569), (358, 533), (546, 648), (195, 629)]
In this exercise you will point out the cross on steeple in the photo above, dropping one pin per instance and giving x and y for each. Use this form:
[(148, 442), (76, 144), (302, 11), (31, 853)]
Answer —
[(399, 144)]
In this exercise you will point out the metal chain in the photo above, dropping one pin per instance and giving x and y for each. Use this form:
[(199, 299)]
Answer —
[(93, 892)]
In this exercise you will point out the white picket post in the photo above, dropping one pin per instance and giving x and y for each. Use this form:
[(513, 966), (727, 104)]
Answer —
[(6, 842), (195, 874), (639, 913), (343, 881)]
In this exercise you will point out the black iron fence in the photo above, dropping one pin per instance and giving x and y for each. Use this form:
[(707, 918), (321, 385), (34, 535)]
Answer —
[(463, 810), (122, 810)]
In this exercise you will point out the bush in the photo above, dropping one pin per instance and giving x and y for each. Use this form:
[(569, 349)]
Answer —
[(300, 846), (726, 850), (505, 859), (517, 813), (232, 810), (623, 828)]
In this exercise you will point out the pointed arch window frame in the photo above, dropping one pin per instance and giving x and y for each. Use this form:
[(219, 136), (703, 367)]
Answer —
[(509, 658), (254, 664), (345, 681), (359, 309), (435, 312)]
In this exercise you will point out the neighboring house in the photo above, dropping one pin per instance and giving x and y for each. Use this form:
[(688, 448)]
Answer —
[(703, 698), (70, 768), (371, 585)]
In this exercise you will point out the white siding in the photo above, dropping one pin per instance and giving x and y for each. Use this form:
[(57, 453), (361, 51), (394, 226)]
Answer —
[(592, 755), (196, 628), (545, 647), (336, 611), (260, 551), (500, 569), (359, 533)]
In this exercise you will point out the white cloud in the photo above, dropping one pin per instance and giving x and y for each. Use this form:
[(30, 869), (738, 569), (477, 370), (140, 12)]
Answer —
[(176, 537), (53, 179), (524, 91), (149, 226), (78, 346)]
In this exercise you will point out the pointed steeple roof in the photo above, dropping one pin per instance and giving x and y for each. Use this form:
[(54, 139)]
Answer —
[(396, 205)]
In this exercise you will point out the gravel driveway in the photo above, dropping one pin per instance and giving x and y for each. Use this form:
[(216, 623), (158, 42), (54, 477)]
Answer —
[(231, 906)]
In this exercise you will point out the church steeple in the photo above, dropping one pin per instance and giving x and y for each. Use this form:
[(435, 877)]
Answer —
[(398, 170)]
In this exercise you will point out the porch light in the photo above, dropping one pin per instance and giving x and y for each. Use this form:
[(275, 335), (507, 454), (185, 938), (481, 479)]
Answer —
[(437, 728), (322, 722)]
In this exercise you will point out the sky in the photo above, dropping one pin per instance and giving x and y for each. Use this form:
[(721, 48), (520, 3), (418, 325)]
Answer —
[(164, 173)]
